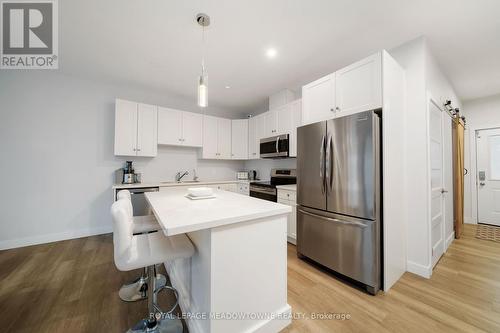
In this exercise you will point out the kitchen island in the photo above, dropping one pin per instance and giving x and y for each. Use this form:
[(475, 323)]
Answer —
[(237, 279)]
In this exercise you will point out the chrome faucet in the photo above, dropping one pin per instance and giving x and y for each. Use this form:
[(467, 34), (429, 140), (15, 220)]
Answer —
[(180, 175)]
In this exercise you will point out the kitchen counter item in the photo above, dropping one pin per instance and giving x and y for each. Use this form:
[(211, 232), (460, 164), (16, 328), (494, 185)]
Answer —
[(200, 191)]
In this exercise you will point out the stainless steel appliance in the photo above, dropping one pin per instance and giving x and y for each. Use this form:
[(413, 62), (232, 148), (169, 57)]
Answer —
[(339, 196), (275, 147), (267, 190), (139, 201)]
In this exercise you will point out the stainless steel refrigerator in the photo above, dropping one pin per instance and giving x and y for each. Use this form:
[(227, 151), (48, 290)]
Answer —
[(339, 196)]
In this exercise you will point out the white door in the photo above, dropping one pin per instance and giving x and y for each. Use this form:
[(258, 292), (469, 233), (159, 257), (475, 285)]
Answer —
[(147, 130), (239, 139), (270, 119), (318, 100), (169, 126), (436, 181), (488, 176), (210, 137), (125, 128), (192, 129), (224, 138), (253, 146), (284, 119), (448, 179), (359, 86)]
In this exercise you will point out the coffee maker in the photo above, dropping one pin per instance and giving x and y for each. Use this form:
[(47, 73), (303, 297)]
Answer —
[(128, 174)]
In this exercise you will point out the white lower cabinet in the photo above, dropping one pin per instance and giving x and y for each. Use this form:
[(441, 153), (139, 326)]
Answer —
[(287, 197), (244, 188)]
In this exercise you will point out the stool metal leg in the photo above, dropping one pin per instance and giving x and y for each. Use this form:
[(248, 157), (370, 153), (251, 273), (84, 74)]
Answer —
[(156, 321), (137, 290)]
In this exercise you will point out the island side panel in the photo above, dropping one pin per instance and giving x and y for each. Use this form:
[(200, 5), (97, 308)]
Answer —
[(249, 275), (191, 277)]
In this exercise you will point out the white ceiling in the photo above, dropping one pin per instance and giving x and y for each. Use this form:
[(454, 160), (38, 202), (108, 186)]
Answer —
[(155, 44)]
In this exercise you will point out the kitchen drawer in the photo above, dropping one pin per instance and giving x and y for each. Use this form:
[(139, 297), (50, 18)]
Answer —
[(287, 195)]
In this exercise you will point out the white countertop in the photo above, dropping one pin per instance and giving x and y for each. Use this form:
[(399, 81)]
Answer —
[(178, 214), (292, 187), (175, 184)]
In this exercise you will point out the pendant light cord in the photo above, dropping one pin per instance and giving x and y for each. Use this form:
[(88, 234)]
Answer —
[(203, 51)]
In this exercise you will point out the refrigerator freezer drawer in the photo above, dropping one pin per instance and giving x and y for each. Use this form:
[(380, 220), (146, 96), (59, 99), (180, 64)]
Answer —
[(344, 244)]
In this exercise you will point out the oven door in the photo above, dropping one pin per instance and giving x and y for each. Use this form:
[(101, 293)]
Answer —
[(265, 193), (273, 147)]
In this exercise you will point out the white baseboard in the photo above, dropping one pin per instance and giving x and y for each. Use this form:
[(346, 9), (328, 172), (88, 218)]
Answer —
[(54, 237), (423, 271), (449, 240), (275, 325)]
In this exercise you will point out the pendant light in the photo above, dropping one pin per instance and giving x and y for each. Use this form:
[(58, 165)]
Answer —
[(204, 21)]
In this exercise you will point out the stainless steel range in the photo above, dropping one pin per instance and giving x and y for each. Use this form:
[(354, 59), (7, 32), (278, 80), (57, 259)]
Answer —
[(267, 190)]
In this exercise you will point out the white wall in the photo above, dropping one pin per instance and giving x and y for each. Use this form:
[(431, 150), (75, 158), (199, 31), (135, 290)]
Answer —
[(480, 113), (411, 56), (423, 76), (56, 143)]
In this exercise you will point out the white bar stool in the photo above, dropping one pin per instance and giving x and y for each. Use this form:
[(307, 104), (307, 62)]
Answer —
[(147, 250), (137, 289)]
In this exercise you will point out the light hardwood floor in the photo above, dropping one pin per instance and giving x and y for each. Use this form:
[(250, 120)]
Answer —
[(71, 286)]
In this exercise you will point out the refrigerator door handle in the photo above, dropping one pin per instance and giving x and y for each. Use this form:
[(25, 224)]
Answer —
[(357, 224), (329, 166), (321, 163)]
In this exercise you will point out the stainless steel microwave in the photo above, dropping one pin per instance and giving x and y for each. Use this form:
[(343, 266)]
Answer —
[(275, 147)]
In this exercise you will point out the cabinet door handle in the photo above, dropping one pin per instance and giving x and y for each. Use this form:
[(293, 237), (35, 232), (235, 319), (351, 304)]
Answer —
[(337, 108), (332, 109)]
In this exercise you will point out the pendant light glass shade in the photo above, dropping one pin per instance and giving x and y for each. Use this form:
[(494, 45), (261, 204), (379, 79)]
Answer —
[(204, 21), (202, 90)]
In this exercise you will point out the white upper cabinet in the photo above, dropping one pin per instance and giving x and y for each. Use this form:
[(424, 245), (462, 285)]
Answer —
[(359, 86), (256, 131), (224, 138), (169, 126), (135, 129), (271, 125), (125, 128), (355, 88), (192, 129), (216, 138), (296, 112), (253, 144), (284, 118), (239, 139), (318, 100), (179, 128), (147, 130), (210, 137)]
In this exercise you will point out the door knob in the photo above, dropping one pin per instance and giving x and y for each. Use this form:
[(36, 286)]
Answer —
[(444, 191), (482, 183)]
